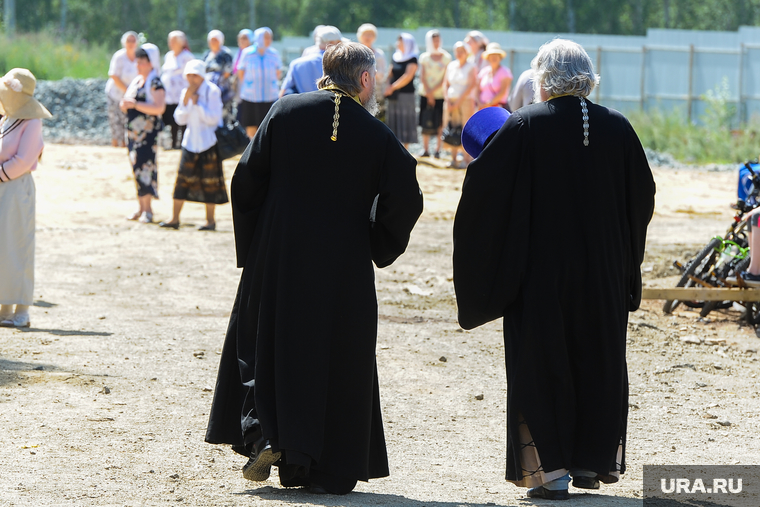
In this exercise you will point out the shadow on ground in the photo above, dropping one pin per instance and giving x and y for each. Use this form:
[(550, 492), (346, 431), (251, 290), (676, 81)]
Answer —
[(62, 332), (361, 499), (12, 372)]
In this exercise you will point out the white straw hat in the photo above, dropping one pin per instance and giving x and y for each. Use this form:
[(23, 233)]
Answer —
[(17, 96), (197, 67)]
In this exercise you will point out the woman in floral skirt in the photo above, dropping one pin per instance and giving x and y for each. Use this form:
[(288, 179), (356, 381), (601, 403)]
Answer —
[(144, 104)]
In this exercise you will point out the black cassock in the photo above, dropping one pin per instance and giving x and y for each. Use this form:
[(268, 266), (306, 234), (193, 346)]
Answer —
[(298, 363), (550, 234)]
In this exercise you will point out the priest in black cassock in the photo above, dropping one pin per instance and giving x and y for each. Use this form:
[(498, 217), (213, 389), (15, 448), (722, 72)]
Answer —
[(323, 190), (550, 235)]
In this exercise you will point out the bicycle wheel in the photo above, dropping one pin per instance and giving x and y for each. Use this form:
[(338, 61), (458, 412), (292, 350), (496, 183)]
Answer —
[(697, 266)]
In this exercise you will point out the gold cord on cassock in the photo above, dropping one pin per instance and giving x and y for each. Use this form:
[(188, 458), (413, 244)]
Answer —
[(336, 117)]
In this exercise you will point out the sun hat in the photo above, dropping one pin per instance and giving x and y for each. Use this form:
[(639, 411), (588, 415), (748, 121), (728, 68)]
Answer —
[(493, 48), (481, 127), (17, 96), (197, 67)]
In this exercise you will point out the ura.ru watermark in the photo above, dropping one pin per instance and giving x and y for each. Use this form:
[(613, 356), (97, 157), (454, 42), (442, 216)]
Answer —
[(716, 485)]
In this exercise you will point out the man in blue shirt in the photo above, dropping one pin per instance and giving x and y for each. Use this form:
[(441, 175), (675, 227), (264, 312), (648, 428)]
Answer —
[(304, 72)]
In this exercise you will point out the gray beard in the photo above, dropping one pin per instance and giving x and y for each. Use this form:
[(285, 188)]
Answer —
[(371, 104)]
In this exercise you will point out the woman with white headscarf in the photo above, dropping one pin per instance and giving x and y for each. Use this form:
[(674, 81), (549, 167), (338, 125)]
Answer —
[(433, 65), (476, 44), (258, 74), (218, 60), (402, 118), (144, 103), (171, 76), (121, 72)]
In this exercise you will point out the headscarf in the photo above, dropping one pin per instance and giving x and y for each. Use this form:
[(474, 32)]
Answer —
[(154, 55), (126, 36), (479, 38), (258, 36), (410, 48), (249, 34), (366, 27), (429, 42), (216, 34), (180, 35)]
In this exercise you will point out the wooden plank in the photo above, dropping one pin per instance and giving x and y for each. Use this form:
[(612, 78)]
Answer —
[(702, 294)]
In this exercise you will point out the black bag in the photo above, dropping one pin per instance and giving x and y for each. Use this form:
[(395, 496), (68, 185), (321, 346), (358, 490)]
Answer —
[(452, 135), (427, 121), (231, 140)]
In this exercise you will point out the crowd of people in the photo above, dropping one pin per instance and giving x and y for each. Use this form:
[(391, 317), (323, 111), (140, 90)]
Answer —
[(450, 90)]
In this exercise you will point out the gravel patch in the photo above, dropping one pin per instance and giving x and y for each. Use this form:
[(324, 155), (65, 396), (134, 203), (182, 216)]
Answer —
[(79, 111)]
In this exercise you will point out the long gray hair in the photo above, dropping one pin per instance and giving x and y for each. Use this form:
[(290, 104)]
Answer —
[(562, 67), (343, 65)]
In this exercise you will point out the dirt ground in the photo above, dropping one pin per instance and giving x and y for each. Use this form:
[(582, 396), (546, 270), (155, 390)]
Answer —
[(104, 400)]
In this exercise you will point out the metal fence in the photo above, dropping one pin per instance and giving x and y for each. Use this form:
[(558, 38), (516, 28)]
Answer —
[(670, 70)]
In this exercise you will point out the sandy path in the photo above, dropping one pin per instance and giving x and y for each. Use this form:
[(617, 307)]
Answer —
[(143, 311)]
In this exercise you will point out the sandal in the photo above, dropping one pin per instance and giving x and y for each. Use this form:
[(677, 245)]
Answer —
[(134, 216), (146, 217)]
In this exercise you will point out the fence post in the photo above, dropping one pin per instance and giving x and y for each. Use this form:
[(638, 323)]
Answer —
[(512, 60), (252, 14), (691, 81), (63, 16), (598, 71), (643, 99), (10, 17), (742, 110)]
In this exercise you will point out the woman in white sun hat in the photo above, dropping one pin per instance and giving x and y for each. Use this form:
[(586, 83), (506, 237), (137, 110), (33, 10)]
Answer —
[(20, 148)]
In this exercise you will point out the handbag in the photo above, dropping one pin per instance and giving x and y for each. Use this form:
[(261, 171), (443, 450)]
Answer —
[(427, 120), (452, 135), (231, 140)]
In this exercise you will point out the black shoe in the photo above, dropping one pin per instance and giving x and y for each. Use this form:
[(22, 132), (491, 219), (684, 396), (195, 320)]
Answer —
[(425, 154), (586, 482), (293, 476), (746, 275), (208, 227), (259, 465), (548, 494), (169, 225)]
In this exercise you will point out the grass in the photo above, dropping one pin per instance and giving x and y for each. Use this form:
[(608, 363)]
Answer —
[(716, 138), (699, 144), (50, 58)]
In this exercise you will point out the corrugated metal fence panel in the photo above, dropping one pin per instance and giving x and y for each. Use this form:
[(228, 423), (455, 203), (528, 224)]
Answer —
[(751, 83), (620, 79), (675, 77)]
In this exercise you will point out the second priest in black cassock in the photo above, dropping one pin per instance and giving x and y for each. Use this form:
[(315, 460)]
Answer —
[(550, 234), (323, 190)]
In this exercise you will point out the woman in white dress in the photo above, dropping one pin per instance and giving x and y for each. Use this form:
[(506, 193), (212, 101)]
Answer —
[(121, 72), (171, 76), (458, 86), (20, 148)]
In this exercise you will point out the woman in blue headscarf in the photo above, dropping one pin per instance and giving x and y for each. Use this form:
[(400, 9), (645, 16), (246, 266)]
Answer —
[(258, 73)]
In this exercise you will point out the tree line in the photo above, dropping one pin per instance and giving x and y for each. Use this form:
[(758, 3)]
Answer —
[(103, 21)]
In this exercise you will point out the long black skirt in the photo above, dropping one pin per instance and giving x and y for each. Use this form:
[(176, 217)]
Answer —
[(201, 178)]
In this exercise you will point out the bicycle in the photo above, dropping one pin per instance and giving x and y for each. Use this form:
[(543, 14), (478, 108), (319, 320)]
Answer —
[(722, 257)]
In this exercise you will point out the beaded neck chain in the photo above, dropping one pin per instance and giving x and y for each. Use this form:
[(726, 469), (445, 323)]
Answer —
[(584, 108)]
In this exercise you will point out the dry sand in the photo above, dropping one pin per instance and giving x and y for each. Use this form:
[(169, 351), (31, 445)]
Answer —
[(104, 400)]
